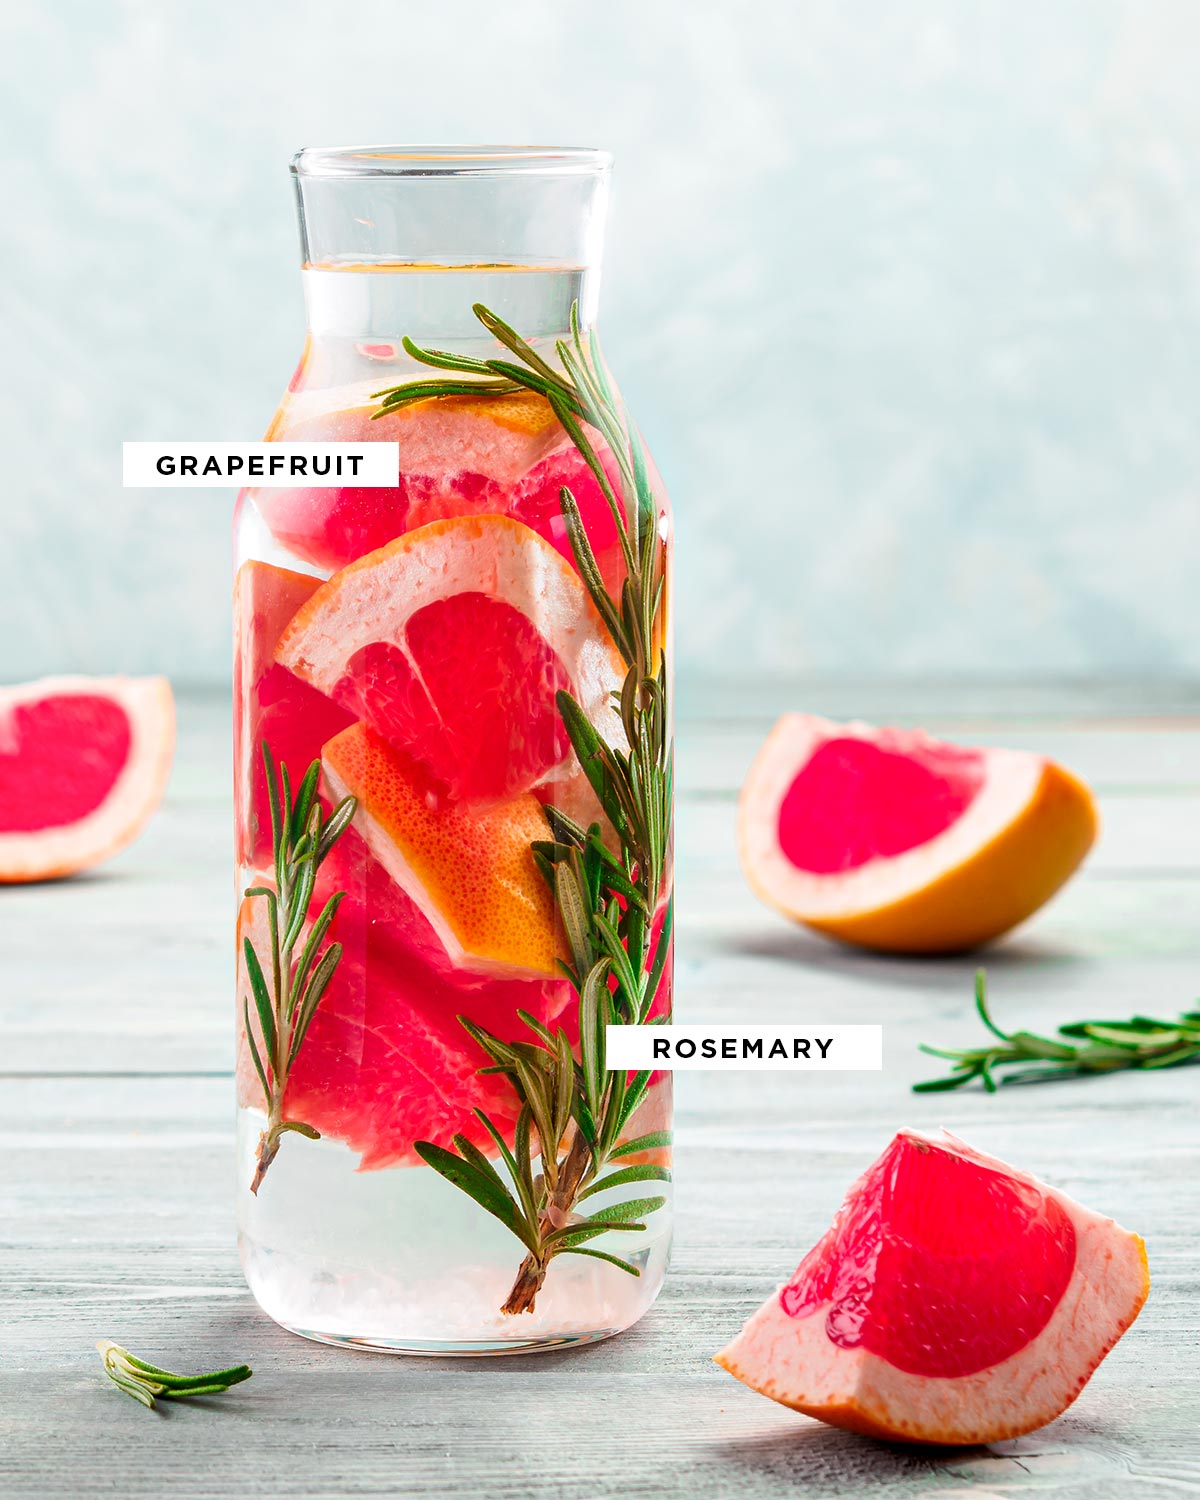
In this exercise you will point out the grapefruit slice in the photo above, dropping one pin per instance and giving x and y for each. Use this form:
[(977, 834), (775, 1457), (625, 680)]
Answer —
[(270, 702), (451, 641), (385, 1061), (953, 1300), (459, 455), (470, 872), (888, 839), (84, 761)]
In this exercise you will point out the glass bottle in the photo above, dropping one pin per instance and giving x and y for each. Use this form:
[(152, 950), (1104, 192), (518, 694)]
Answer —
[(450, 884)]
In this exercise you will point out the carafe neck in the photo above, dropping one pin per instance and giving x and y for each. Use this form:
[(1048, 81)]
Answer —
[(406, 241)]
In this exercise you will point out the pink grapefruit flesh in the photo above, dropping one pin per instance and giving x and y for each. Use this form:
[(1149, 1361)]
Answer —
[(441, 643), (486, 659), (888, 839), (270, 702), (84, 762), (470, 871), (953, 1300)]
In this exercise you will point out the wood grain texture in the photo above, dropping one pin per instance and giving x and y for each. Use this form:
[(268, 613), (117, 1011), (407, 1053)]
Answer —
[(116, 1172)]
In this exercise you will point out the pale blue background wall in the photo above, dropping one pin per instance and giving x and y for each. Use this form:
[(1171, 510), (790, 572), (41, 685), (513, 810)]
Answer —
[(907, 296)]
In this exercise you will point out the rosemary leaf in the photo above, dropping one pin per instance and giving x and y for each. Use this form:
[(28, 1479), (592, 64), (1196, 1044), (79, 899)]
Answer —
[(645, 1172), (304, 801), (632, 1208), (565, 830), (511, 340), (652, 1141), (262, 1000), (574, 913), (593, 1010), (483, 1188), (253, 1045), (613, 1260), (148, 1383)]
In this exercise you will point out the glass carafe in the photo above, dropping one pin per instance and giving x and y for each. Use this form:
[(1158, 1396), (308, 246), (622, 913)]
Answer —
[(453, 780)]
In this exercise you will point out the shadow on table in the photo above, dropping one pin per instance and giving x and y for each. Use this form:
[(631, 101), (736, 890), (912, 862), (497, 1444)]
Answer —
[(821, 1461), (915, 970)]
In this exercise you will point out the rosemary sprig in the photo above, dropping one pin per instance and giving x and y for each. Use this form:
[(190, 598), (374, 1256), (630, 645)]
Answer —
[(148, 1384), (1081, 1047), (573, 1111), (288, 1000)]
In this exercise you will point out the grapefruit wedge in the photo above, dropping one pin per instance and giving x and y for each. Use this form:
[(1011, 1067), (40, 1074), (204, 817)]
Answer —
[(84, 761), (441, 642), (470, 872), (953, 1300), (459, 455), (888, 839)]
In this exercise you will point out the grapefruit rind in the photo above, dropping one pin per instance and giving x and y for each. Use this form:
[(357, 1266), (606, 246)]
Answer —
[(470, 871), (47, 854), (1023, 835), (374, 598), (793, 1361)]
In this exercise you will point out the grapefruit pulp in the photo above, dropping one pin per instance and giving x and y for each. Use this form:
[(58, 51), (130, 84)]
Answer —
[(888, 839), (271, 702), (470, 872), (451, 642), (84, 762), (459, 455), (953, 1300)]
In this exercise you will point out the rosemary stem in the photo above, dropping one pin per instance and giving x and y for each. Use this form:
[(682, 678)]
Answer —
[(533, 1268)]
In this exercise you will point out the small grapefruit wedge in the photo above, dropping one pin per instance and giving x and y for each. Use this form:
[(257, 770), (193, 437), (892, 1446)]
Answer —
[(470, 872), (441, 642), (459, 455), (271, 702), (84, 762), (953, 1300), (888, 839)]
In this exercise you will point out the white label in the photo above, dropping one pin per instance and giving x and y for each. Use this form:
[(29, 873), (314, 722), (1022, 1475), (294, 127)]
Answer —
[(744, 1049), (262, 466)]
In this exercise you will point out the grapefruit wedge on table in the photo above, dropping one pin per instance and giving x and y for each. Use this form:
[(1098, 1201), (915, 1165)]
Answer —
[(953, 1300), (441, 643), (891, 840), (459, 455), (84, 761)]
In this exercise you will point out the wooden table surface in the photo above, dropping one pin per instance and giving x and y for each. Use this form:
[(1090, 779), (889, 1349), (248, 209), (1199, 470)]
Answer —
[(116, 1164)]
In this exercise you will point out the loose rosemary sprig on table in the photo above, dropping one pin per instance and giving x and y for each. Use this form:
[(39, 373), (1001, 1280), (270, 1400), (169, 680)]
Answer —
[(148, 1384), (286, 1004), (573, 1112), (1081, 1047)]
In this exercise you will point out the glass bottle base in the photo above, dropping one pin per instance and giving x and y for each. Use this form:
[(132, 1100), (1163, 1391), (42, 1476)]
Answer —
[(358, 1309), (438, 1349)]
